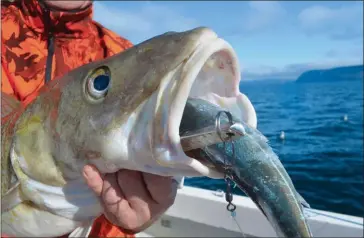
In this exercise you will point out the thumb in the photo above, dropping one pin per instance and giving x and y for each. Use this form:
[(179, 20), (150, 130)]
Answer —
[(93, 178)]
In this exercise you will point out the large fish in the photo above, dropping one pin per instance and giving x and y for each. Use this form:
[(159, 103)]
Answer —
[(256, 169), (120, 112)]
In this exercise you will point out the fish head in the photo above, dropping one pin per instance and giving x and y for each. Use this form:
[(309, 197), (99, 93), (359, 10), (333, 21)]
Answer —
[(125, 111)]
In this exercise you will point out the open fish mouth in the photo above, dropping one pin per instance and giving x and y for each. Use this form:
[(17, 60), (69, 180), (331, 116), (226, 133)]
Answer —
[(211, 73)]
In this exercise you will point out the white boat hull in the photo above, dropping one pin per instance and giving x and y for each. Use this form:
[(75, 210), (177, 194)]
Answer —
[(202, 213)]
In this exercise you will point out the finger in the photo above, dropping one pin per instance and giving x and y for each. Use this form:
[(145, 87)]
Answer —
[(117, 208), (135, 188), (111, 193), (93, 178), (162, 189), (136, 192)]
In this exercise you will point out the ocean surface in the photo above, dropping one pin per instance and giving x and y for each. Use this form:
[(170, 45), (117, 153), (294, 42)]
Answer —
[(322, 152)]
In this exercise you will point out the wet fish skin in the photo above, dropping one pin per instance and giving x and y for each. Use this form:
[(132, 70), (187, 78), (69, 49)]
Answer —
[(257, 170)]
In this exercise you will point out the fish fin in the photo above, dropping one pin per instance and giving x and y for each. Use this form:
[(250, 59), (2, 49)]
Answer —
[(82, 231), (303, 201), (8, 105), (12, 198)]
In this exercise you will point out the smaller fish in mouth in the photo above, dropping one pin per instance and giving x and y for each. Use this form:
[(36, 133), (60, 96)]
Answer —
[(251, 164)]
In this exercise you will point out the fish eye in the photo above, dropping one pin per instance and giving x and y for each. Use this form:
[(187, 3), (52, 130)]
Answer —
[(98, 83)]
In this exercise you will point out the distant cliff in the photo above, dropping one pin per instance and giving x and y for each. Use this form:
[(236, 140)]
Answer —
[(348, 73)]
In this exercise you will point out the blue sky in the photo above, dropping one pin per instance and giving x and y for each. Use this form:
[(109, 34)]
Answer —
[(273, 39)]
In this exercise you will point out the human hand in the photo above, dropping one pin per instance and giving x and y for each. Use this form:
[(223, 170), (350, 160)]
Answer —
[(132, 200)]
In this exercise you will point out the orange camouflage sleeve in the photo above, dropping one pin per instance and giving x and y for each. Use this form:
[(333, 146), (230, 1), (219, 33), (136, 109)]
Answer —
[(103, 228), (5, 83), (112, 41)]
